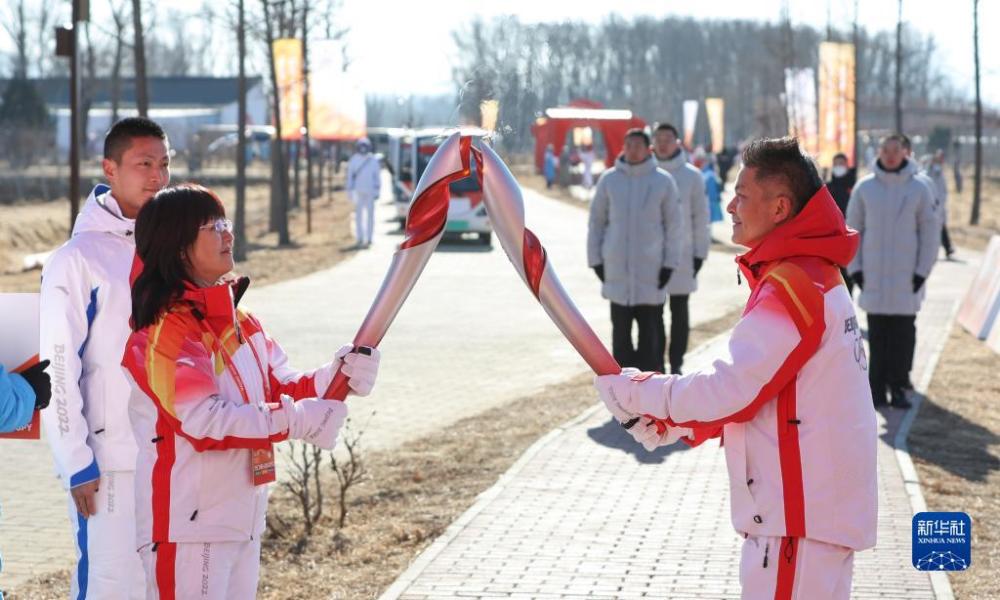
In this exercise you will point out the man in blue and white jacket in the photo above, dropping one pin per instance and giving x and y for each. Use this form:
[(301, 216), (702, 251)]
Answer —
[(85, 307)]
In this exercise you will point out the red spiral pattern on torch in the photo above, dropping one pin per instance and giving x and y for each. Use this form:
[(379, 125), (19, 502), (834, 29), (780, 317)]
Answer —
[(534, 261), (429, 212)]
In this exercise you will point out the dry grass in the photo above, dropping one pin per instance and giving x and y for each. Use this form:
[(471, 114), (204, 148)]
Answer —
[(955, 443), (29, 228), (960, 208), (413, 494)]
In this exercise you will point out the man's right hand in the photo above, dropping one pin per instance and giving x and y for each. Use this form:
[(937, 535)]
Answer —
[(599, 269), (85, 498), (859, 279)]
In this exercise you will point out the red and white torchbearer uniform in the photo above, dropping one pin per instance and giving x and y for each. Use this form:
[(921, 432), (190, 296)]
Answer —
[(210, 397), (792, 403)]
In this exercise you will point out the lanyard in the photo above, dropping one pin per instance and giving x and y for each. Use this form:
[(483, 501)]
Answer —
[(232, 367)]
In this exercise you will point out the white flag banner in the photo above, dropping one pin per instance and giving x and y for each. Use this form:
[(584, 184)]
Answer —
[(690, 118), (800, 102)]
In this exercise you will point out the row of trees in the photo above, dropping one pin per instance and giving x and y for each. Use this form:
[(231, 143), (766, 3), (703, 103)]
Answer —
[(652, 65)]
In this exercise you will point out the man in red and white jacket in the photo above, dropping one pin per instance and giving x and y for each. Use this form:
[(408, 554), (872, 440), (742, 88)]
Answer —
[(790, 398)]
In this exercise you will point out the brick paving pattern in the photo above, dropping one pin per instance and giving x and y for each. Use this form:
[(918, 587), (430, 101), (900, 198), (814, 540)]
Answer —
[(587, 513)]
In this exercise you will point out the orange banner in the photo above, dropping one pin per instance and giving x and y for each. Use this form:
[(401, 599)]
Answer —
[(288, 67), (836, 101), (336, 101)]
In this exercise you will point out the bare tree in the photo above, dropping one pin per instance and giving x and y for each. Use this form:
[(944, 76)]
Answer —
[(349, 471), (141, 89), (46, 16), (977, 182), (304, 482), (16, 25), (305, 147), (240, 228), (118, 17), (279, 201), (899, 68)]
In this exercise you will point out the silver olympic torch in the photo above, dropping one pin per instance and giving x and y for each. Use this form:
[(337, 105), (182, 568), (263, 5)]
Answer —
[(424, 228)]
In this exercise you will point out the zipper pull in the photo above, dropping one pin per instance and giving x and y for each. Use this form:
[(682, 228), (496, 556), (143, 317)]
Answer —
[(739, 280), (766, 548)]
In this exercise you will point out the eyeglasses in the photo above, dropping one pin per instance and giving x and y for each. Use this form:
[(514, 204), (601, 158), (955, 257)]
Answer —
[(219, 226)]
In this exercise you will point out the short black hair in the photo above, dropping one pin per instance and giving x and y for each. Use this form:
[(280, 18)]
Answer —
[(783, 159), (121, 134), (667, 127), (895, 137), (638, 132), (840, 155)]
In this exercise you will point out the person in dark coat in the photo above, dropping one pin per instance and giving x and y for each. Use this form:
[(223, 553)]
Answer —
[(840, 184)]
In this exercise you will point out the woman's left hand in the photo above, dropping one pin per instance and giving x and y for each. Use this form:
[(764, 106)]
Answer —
[(361, 367)]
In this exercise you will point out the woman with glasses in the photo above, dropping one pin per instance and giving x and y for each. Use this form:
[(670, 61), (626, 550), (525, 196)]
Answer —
[(211, 395)]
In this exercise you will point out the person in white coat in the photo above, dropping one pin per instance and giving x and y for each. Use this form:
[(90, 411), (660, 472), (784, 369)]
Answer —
[(587, 160), (695, 239), (789, 395), (935, 171), (893, 211), (633, 244), (85, 307), (364, 181)]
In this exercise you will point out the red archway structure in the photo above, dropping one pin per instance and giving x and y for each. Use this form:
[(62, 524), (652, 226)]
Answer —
[(557, 122)]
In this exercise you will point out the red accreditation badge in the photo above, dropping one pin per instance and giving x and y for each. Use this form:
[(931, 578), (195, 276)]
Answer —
[(262, 465)]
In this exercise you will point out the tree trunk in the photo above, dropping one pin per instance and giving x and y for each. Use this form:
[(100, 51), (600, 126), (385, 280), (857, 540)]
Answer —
[(141, 91), (116, 65), (305, 117), (857, 89), (87, 96), (279, 203), (977, 178), (239, 226), (899, 69)]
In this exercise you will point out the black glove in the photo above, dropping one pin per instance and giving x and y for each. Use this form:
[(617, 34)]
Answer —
[(697, 264), (599, 269), (665, 274), (39, 381), (859, 279), (918, 282)]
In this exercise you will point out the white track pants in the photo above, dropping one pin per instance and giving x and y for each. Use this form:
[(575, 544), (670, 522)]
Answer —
[(364, 216), (795, 568), (210, 570), (107, 565)]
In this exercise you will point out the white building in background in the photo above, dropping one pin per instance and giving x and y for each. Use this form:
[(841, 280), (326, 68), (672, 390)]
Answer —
[(182, 105)]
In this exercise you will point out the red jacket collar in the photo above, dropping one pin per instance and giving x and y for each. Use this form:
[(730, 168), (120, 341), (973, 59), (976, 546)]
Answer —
[(818, 231)]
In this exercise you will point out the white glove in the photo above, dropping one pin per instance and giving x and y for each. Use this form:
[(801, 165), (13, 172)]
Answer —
[(645, 433), (614, 389), (313, 420), (361, 369), (634, 392)]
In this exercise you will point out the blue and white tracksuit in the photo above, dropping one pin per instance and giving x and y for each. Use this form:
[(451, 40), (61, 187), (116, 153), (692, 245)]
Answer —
[(85, 307)]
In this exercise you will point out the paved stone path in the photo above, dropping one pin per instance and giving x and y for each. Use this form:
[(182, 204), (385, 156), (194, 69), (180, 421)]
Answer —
[(586, 513), (470, 337)]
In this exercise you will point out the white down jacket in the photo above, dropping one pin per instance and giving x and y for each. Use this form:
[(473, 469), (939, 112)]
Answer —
[(635, 230), (900, 234)]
